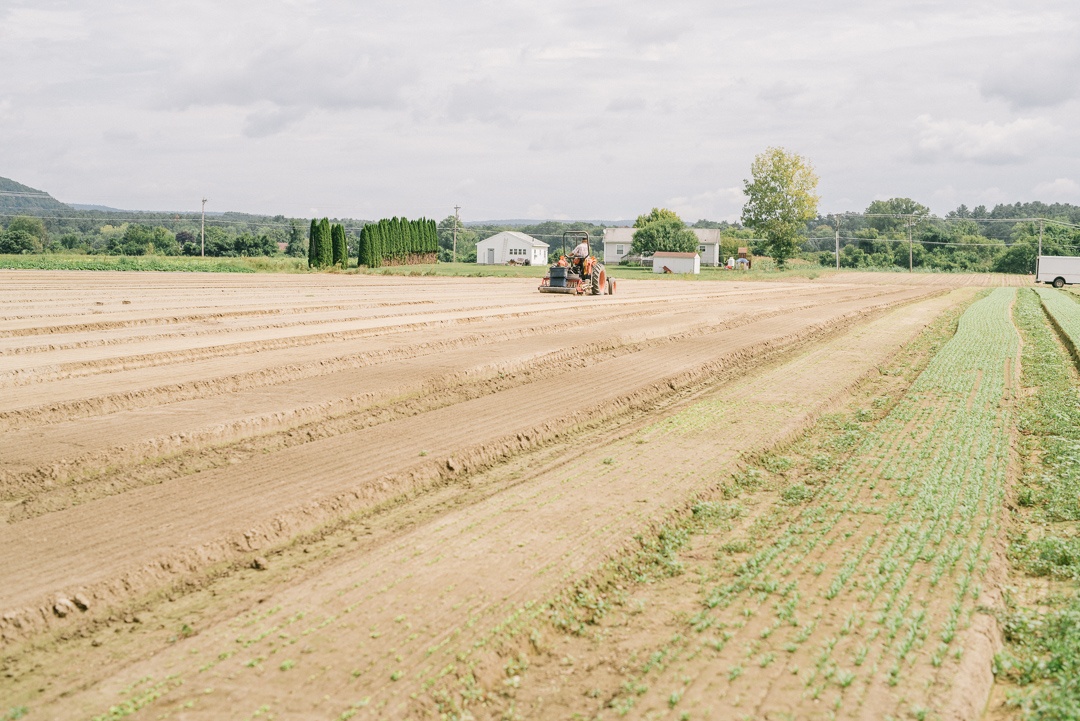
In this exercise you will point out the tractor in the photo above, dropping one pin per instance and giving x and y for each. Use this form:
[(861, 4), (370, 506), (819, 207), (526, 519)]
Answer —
[(576, 275)]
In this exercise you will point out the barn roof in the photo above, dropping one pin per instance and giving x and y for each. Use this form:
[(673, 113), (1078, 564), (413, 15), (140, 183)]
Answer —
[(518, 236)]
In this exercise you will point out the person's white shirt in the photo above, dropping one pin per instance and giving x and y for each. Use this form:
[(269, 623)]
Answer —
[(581, 251)]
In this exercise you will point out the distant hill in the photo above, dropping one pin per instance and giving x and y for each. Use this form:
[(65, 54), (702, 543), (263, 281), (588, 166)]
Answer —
[(102, 208), (18, 198)]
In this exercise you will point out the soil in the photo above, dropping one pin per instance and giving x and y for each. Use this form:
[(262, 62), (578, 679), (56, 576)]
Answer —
[(313, 496)]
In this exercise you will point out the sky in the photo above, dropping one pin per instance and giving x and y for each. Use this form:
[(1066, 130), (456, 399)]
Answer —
[(566, 109)]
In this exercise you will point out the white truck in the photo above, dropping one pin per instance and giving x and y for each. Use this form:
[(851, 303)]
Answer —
[(1057, 270)]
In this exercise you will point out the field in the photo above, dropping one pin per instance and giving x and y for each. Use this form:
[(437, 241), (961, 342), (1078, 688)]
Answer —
[(358, 496)]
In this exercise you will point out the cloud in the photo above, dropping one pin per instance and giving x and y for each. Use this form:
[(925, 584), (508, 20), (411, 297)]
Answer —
[(20, 25), (280, 84), (271, 120), (988, 143), (720, 204), (626, 105), (1061, 190), (1045, 78)]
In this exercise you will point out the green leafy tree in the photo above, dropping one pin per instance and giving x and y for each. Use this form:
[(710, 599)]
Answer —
[(893, 227), (33, 226), (656, 215), (466, 240), (296, 247), (781, 197), (143, 240), (15, 242), (662, 231)]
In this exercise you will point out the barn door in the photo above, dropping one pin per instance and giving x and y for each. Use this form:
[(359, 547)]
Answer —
[(491, 256)]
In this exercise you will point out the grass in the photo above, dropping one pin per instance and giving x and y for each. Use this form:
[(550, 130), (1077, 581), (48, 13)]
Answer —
[(50, 261), (1042, 654), (281, 264)]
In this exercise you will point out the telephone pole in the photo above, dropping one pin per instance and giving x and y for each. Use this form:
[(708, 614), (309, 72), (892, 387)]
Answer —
[(838, 242), (202, 231), (453, 257), (910, 250)]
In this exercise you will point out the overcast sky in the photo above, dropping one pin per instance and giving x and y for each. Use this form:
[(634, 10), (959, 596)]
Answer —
[(559, 109)]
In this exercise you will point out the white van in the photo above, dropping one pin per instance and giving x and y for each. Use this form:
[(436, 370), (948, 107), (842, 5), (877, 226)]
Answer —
[(1058, 270)]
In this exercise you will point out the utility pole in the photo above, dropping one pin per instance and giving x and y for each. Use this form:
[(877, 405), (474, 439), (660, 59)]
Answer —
[(838, 242), (910, 250), (453, 257), (202, 231)]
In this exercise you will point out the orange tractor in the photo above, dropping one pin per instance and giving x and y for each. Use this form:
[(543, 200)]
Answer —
[(580, 273)]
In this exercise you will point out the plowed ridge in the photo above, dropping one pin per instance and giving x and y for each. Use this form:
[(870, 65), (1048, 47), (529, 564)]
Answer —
[(219, 450)]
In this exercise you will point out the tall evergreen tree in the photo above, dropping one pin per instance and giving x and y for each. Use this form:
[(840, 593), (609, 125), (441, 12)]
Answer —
[(325, 253), (313, 234), (340, 251)]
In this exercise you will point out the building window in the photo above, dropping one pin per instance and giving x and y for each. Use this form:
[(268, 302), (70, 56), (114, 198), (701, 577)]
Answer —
[(619, 250), (701, 249)]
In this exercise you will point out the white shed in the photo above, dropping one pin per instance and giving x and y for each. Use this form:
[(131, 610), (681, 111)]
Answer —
[(676, 263), (617, 242), (509, 245)]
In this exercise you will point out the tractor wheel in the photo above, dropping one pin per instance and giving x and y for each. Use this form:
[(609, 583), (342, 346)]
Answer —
[(611, 286), (597, 279), (1058, 282)]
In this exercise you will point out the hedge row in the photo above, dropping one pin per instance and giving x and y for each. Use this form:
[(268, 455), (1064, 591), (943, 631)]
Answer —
[(398, 241)]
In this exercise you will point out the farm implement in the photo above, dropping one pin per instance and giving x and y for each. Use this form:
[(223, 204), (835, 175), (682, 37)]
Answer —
[(577, 274)]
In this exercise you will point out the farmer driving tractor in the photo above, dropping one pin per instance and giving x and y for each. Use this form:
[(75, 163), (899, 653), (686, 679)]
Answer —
[(578, 256)]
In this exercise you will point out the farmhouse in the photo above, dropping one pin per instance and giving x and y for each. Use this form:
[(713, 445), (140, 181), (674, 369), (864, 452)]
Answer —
[(676, 263), (511, 245), (617, 243)]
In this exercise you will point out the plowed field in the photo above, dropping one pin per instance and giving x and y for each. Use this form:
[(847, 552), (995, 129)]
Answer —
[(321, 496)]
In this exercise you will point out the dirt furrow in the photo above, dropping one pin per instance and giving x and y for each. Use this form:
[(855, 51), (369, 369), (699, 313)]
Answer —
[(356, 469), (380, 624)]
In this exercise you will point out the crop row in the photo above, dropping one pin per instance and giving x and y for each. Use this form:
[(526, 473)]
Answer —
[(890, 555)]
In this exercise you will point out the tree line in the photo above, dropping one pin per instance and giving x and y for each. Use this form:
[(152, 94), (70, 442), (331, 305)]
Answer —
[(398, 241)]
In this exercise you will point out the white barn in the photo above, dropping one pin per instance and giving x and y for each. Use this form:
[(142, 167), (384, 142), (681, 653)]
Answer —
[(689, 263), (509, 245), (617, 242)]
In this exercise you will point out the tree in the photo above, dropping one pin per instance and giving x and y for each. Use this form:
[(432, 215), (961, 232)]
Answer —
[(666, 234), (33, 226), (340, 251), (15, 242), (894, 206), (324, 249), (296, 247), (781, 197), (313, 242), (656, 215)]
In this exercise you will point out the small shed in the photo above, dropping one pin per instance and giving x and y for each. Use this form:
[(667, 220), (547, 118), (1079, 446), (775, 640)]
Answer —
[(510, 245), (687, 263)]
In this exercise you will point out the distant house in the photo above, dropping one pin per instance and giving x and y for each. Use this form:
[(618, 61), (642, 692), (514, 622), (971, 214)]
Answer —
[(511, 245), (617, 242), (689, 263)]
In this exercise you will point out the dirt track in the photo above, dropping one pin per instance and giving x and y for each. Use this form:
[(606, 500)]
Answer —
[(160, 431)]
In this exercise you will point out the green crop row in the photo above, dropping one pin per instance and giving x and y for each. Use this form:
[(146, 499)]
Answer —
[(1042, 654), (901, 535)]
